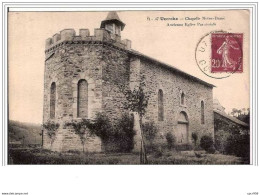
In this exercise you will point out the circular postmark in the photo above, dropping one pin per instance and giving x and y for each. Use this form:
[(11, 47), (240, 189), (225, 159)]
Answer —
[(218, 54)]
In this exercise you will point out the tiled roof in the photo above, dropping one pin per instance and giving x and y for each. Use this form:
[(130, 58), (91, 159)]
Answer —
[(112, 16)]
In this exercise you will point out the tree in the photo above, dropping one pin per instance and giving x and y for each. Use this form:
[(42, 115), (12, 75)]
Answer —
[(244, 110), (51, 128), (234, 111), (239, 112), (171, 140), (207, 143), (137, 101), (150, 130)]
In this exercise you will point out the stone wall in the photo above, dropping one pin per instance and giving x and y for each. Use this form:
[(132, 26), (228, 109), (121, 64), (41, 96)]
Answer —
[(225, 124), (66, 65), (71, 58), (173, 84), (66, 140), (115, 73), (105, 65)]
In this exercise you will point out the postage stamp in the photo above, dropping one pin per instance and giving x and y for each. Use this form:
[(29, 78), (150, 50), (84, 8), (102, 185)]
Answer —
[(226, 52), (219, 54)]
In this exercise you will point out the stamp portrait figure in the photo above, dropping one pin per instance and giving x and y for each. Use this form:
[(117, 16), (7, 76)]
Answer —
[(224, 50)]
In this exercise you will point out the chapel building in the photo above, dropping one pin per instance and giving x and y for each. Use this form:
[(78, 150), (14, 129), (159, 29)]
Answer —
[(81, 78)]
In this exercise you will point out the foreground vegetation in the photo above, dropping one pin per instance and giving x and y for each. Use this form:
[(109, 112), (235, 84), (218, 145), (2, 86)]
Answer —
[(227, 148), (41, 156)]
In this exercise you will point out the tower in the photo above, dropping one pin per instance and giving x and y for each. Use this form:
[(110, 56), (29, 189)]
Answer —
[(80, 80)]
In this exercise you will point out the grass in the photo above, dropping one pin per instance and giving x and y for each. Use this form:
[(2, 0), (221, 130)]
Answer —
[(189, 158), (41, 156)]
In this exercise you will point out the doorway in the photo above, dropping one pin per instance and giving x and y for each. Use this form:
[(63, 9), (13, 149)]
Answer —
[(182, 129)]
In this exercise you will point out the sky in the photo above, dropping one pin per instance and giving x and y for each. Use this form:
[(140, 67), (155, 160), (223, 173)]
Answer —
[(173, 45)]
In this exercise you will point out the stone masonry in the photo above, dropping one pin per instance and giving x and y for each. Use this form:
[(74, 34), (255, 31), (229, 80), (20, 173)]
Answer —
[(173, 84), (95, 65)]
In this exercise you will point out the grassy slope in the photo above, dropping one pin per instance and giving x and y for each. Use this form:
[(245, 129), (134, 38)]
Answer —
[(30, 132)]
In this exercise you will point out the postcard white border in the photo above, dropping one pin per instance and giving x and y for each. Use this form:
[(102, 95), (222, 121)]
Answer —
[(120, 179)]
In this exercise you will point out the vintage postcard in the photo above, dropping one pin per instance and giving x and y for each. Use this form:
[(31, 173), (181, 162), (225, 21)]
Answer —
[(129, 87)]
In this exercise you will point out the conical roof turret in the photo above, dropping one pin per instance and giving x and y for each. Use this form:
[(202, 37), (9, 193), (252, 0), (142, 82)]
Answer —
[(112, 17)]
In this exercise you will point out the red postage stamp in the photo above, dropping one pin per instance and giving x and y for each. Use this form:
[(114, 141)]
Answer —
[(226, 52)]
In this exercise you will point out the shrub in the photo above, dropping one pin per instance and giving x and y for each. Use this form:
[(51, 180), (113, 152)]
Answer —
[(117, 136), (102, 126), (211, 149), (150, 131), (239, 145), (221, 137), (51, 128), (235, 142), (158, 153), (124, 133), (194, 136), (171, 140), (206, 143)]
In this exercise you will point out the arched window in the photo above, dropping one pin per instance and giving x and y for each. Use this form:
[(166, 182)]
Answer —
[(202, 113), (82, 101), (182, 98), (160, 105), (52, 100)]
